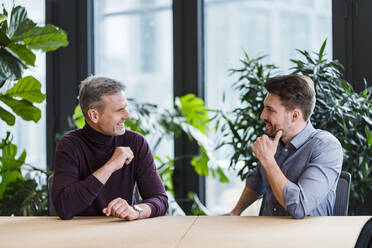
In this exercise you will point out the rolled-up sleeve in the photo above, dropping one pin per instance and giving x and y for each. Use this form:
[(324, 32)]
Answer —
[(317, 180), (254, 180)]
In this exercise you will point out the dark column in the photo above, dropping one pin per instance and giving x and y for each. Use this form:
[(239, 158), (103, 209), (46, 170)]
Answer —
[(188, 78), (362, 34), (352, 38), (66, 67)]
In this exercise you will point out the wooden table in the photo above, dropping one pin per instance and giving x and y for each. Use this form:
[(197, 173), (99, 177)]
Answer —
[(188, 231)]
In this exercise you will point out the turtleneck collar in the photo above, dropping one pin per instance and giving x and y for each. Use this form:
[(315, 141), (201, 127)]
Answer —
[(97, 137)]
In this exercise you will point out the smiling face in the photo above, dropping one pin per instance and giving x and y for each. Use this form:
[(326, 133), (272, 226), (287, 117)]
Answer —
[(110, 119), (276, 116)]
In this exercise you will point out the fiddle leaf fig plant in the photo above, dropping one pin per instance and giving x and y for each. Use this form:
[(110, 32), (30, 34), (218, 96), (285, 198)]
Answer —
[(20, 37)]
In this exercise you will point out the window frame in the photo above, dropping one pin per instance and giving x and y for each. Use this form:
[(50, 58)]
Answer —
[(66, 67)]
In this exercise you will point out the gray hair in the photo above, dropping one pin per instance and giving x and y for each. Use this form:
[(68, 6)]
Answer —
[(93, 88)]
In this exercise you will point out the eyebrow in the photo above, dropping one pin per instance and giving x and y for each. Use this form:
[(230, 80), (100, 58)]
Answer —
[(269, 107), (120, 109)]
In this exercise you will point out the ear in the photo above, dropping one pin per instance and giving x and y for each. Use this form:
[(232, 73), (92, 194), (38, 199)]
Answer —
[(296, 115), (93, 115)]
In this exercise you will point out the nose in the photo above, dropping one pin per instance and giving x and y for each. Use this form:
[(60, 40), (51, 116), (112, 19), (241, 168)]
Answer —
[(126, 115), (263, 115)]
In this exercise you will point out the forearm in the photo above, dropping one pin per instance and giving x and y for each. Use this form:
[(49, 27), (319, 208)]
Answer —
[(276, 179), (247, 197), (103, 173)]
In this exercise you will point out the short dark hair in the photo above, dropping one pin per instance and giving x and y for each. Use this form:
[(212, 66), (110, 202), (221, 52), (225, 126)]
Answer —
[(295, 91), (93, 88)]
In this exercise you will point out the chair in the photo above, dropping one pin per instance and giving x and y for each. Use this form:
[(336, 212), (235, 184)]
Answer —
[(342, 194), (51, 210), (365, 236)]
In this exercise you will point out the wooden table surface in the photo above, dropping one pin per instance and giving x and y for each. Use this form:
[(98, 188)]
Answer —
[(181, 231)]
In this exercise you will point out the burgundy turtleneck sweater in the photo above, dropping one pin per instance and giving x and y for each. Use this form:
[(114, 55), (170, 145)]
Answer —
[(75, 191)]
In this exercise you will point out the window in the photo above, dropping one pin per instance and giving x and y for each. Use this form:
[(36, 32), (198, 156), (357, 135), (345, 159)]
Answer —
[(272, 27), (134, 44)]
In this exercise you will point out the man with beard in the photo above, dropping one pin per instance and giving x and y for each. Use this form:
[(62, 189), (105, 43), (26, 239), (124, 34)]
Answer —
[(299, 166), (98, 167)]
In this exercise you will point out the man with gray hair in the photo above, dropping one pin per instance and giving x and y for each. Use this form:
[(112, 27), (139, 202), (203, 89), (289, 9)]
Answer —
[(299, 166), (97, 168)]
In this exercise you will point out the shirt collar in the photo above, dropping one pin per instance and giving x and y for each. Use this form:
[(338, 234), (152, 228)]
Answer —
[(303, 136)]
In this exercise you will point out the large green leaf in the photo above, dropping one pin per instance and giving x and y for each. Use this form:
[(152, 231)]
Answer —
[(23, 53), (7, 117), (3, 18), (78, 117), (19, 23), (193, 109), (200, 163), (27, 88), (48, 38), (10, 166), (223, 177), (22, 108), (4, 39), (10, 67), (369, 137), (8, 177), (8, 160), (5, 13), (321, 51)]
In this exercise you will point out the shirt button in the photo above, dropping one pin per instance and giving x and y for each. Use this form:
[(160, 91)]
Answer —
[(286, 150), (274, 209)]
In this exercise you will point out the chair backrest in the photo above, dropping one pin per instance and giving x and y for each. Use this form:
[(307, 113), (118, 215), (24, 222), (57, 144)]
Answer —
[(51, 210), (342, 194)]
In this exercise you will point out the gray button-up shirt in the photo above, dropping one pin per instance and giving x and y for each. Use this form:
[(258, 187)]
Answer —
[(312, 163)]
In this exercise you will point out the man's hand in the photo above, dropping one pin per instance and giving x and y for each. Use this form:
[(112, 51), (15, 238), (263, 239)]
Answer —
[(123, 155), (121, 209), (247, 197), (230, 214), (265, 148)]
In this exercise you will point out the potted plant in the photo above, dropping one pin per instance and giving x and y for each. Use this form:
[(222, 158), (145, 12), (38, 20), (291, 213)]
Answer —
[(21, 191)]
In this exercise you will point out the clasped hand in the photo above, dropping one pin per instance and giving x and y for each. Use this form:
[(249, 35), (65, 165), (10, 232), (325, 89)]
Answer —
[(122, 156), (121, 209), (265, 148)]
